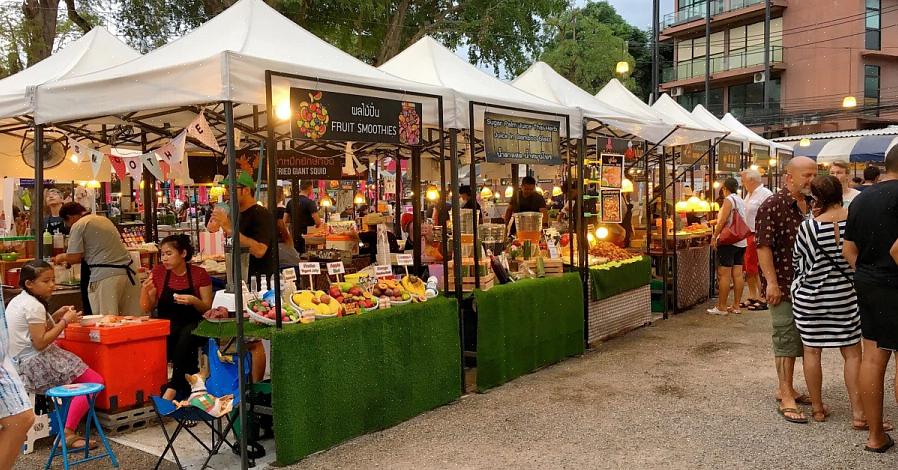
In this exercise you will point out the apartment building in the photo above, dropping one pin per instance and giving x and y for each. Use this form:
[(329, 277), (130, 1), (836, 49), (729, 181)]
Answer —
[(821, 51)]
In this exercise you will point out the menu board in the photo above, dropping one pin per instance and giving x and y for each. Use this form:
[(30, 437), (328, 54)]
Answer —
[(611, 206), (514, 139), (760, 154), (691, 153), (729, 156), (631, 149), (612, 170)]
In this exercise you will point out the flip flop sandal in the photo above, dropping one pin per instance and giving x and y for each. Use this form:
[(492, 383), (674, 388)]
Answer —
[(747, 304), (823, 414), (866, 427), (71, 440), (881, 450), (799, 400), (734, 311), (757, 307), (784, 411)]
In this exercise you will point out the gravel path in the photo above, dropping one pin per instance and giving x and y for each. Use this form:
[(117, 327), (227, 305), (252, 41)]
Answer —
[(694, 391)]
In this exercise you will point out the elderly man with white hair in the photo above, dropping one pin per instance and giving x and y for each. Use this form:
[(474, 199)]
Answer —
[(757, 194)]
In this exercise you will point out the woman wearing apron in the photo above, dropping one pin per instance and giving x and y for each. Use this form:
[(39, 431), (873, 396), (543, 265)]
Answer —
[(179, 292)]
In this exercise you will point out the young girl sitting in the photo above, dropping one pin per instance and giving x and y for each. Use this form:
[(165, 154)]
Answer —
[(32, 331)]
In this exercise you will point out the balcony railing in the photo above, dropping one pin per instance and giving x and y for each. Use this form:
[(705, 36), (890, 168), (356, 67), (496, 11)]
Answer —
[(696, 11), (687, 69)]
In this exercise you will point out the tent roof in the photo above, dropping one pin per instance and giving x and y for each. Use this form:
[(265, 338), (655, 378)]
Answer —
[(428, 61), (543, 81), (615, 93), (96, 50), (666, 106), (709, 120), (224, 59), (730, 121)]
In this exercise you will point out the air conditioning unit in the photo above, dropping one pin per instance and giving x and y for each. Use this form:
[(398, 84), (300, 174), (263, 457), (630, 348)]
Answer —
[(758, 77), (676, 91)]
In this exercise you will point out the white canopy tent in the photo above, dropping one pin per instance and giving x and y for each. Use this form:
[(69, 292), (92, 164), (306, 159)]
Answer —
[(614, 93), (543, 81), (666, 106), (224, 59), (731, 122), (707, 119), (428, 61), (96, 50)]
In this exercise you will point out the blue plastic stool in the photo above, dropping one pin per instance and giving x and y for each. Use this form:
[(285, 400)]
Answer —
[(62, 398)]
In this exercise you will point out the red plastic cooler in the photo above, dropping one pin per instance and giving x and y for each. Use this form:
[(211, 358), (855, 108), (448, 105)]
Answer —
[(130, 357)]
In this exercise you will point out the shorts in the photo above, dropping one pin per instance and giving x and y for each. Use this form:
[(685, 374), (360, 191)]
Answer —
[(13, 397), (878, 306), (786, 340), (730, 255), (751, 256), (115, 296)]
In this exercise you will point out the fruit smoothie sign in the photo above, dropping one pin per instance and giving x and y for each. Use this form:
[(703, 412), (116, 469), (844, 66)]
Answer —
[(513, 139), (325, 115)]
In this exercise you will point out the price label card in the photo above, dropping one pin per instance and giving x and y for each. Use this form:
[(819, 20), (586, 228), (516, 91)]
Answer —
[(309, 269), (247, 295), (553, 251), (289, 275), (405, 260), (382, 271), (336, 268)]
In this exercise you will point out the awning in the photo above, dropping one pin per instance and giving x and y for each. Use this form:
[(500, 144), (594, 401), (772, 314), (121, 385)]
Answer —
[(872, 148)]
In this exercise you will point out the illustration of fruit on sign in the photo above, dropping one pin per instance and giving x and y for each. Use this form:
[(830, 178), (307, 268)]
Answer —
[(313, 117), (409, 124)]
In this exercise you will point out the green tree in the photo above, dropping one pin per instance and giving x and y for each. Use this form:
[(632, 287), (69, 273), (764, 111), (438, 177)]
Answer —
[(505, 34), (586, 44)]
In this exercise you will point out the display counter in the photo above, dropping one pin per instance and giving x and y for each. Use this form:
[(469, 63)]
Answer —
[(526, 325), (619, 298), (339, 378)]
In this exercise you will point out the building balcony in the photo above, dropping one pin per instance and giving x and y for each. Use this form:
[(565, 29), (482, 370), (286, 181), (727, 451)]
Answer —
[(735, 65), (691, 19)]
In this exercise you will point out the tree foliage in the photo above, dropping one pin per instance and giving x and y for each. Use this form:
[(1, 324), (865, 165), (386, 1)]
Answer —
[(586, 43)]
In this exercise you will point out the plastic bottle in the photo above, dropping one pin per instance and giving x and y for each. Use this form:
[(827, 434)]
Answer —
[(58, 243), (48, 243), (431, 290)]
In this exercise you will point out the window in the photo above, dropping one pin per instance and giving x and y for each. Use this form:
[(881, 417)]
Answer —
[(871, 89), (873, 37), (748, 99), (746, 44), (689, 100)]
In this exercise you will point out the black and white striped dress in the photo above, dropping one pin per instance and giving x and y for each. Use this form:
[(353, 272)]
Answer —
[(823, 298)]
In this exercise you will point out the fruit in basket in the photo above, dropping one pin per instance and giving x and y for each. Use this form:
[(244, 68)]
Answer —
[(413, 284)]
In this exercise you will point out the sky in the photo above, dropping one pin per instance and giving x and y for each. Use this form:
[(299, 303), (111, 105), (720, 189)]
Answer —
[(637, 12)]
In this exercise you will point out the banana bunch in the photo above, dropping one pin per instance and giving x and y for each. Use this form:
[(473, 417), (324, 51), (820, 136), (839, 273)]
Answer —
[(414, 285)]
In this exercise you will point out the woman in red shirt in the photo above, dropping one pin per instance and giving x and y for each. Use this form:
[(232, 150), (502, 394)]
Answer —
[(180, 292)]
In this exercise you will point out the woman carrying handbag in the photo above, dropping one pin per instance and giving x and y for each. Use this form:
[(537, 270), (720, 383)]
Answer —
[(729, 239)]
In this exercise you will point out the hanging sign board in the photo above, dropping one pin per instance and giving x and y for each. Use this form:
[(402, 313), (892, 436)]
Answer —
[(691, 153), (325, 165), (783, 156), (630, 149), (612, 170), (729, 155), (760, 154), (513, 139), (326, 115), (611, 206)]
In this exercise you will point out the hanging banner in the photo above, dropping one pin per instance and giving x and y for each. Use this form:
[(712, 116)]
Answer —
[(322, 165), (118, 165), (612, 170), (631, 149), (611, 206), (199, 129), (691, 153), (512, 139), (729, 154), (172, 154), (325, 115), (134, 167), (96, 160), (152, 164)]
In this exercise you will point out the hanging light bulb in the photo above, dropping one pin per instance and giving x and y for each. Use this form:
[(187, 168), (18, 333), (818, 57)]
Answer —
[(282, 111), (539, 190), (326, 201), (556, 191), (626, 186), (141, 184), (93, 184), (694, 204), (682, 206), (849, 102), (486, 193), (509, 192), (622, 68), (716, 185), (432, 193), (359, 199), (754, 167), (772, 161), (805, 142), (74, 158), (602, 233)]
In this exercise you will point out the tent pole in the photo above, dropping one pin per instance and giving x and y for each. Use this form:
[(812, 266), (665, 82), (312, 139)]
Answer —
[(662, 182), (473, 176), (416, 206), (444, 243), (236, 266), (456, 247), (38, 204), (271, 151)]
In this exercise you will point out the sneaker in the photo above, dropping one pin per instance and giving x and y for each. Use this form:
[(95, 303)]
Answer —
[(716, 311)]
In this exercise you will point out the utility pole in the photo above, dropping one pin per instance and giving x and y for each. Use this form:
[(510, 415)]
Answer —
[(707, 53), (766, 57), (656, 32)]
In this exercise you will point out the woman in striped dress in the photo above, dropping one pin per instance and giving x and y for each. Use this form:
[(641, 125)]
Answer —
[(823, 299)]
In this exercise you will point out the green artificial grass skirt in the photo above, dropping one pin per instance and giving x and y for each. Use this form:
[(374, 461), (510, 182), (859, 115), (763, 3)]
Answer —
[(628, 276), (339, 378), (527, 325)]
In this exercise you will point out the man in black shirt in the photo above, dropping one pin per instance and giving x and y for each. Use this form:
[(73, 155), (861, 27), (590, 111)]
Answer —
[(871, 177), (257, 231), (871, 230), (306, 212), (527, 200)]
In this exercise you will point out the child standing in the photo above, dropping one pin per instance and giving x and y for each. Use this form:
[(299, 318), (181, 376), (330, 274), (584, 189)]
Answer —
[(42, 364)]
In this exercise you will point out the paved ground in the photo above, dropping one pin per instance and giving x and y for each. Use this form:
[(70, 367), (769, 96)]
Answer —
[(692, 392)]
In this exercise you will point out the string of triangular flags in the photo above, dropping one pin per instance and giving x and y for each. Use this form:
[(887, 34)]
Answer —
[(164, 163)]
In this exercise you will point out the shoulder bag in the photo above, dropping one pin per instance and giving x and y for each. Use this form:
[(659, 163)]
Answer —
[(736, 231)]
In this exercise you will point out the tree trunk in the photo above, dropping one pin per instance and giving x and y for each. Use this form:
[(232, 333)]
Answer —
[(393, 39), (40, 28), (76, 18)]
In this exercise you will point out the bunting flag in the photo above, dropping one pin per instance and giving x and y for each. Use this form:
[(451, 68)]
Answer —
[(238, 138), (78, 150), (152, 164), (118, 165), (172, 155), (96, 160), (200, 130), (135, 168)]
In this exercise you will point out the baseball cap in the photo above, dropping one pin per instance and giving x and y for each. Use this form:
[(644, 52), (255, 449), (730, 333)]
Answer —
[(243, 179)]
